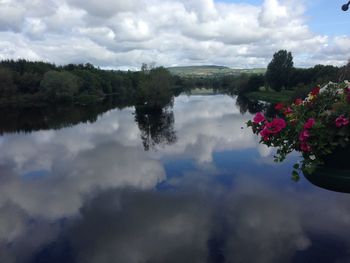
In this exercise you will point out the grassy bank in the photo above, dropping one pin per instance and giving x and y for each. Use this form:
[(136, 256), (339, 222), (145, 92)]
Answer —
[(271, 96)]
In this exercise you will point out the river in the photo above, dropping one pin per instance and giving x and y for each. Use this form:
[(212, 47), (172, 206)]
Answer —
[(190, 184)]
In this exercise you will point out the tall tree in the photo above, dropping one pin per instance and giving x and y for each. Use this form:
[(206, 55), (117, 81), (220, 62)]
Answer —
[(155, 89), (60, 86), (157, 128), (344, 73), (279, 70)]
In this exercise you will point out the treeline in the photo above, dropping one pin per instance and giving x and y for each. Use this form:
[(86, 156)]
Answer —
[(296, 79), (280, 75), (231, 84), (25, 83), (51, 116)]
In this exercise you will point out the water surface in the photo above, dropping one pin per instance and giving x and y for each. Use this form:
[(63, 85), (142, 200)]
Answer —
[(190, 184)]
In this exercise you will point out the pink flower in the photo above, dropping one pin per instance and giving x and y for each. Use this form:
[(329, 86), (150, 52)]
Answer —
[(298, 101), (347, 92), (341, 121), (276, 125), (288, 111), (305, 147), (273, 127), (309, 124), (265, 134), (315, 91), (279, 106), (304, 135), (259, 117)]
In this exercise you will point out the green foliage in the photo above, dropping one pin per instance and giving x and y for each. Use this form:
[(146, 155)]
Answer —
[(250, 83), (315, 126), (271, 96), (319, 74), (7, 85), (90, 82), (155, 89), (20, 83), (24, 83), (344, 72), (60, 86), (279, 70), (29, 82)]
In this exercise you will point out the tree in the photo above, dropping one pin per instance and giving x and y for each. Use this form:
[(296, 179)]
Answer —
[(146, 68), (29, 82), (155, 90), (250, 84), (60, 86), (279, 70), (7, 85), (157, 128), (344, 73)]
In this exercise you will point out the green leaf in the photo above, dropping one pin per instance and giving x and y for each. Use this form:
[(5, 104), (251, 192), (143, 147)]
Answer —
[(296, 166), (295, 176), (309, 169)]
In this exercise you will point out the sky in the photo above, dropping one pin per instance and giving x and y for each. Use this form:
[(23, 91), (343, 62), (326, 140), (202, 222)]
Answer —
[(124, 34)]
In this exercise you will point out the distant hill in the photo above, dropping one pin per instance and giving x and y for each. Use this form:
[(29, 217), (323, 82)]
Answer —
[(211, 70)]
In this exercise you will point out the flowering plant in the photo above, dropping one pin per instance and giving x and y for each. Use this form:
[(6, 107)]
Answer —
[(314, 126)]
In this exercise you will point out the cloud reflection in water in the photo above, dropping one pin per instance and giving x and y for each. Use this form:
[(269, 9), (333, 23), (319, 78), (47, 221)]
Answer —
[(89, 193)]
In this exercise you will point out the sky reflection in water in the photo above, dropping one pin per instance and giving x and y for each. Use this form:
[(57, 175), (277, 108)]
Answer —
[(91, 193)]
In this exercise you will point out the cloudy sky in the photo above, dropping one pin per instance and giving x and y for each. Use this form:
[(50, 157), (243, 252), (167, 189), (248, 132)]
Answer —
[(124, 34)]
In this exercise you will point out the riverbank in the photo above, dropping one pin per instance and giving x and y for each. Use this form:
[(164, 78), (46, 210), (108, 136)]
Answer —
[(271, 96)]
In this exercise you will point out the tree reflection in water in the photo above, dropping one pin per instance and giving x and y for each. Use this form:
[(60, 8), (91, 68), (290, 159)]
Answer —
[(156, 127), (246, 104), (252, 106)]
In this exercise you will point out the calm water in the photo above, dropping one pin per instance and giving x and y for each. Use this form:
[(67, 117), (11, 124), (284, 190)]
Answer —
[(188, 185)]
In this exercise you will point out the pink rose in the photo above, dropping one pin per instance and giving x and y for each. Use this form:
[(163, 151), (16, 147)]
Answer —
[(298, 101), (279, 106), (341, 121), (315, 91), (276, 125), (288, 111), (304, 135), (310, 122), (265, 134), (305, 147), (259, 117)]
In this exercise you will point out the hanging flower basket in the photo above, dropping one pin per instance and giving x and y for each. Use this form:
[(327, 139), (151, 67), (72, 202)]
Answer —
[(317, 127), (334, 173)]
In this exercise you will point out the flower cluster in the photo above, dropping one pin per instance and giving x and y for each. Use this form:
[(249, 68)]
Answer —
[(314, 126)]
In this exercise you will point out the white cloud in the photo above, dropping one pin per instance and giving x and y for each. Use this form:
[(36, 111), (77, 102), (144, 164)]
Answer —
[(75, 161), (100, 171), (95, 157), (205, 126), (273, 14), (106, 8), (11, 15), (123, 34)]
